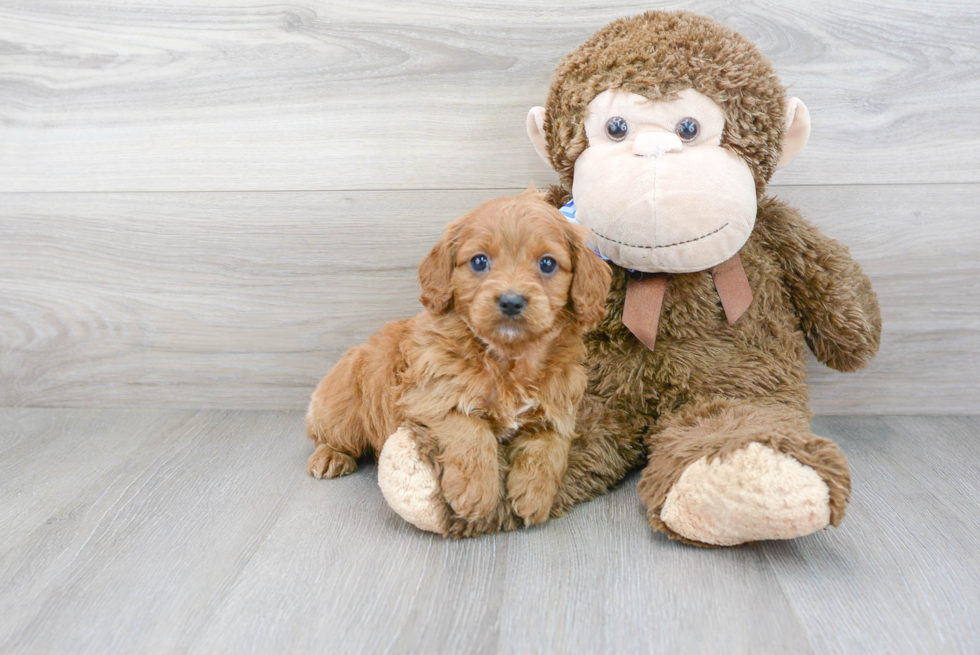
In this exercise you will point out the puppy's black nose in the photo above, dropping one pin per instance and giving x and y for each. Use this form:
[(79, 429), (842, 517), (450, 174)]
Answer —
[(511, 303)]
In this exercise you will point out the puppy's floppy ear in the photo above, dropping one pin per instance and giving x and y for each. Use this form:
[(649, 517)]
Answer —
[(436, 271), (591, 278)]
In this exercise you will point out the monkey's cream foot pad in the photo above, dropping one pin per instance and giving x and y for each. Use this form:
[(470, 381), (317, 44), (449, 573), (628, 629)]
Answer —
[(408, 484), (755, 493)]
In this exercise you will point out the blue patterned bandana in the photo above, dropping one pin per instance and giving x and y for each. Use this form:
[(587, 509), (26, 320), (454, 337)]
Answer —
[(568, 211)]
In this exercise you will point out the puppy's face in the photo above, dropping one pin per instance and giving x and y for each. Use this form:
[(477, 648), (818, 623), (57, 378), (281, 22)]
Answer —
[(515, 270), (512, 274)]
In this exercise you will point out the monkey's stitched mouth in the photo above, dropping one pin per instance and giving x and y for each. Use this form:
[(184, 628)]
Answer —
[(668, 245)]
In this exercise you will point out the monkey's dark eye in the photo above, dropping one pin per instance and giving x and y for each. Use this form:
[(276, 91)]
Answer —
[(617, 128), (547, 265), (687, 129), (479, 263)]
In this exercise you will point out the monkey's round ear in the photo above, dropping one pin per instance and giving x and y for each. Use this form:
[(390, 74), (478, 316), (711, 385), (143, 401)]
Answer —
[(797, 131), (535, 130)]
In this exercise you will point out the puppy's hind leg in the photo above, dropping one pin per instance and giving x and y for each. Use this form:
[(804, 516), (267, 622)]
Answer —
[(333, 421), (329, 462), (325, 461)]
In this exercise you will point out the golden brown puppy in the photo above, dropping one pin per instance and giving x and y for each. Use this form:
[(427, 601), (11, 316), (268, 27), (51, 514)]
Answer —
[(494, 361)]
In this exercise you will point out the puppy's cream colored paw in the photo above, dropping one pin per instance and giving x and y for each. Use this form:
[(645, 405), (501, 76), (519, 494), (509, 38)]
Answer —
[(326, 461), (753, 494), (531, 499), (471, 492), (533, 511), (409, 484)]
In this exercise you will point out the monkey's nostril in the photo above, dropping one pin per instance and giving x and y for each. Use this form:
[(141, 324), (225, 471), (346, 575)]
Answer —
[(511, 303), (656, 144)]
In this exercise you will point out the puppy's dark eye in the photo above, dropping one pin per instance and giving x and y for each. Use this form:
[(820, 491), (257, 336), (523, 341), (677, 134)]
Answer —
[(479, 263), (687, 129), (547, 265), (617, 128)]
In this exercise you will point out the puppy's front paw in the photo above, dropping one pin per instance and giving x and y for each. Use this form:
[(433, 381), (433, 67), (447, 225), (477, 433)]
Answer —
[(332, 463), (472, 493), (530, 497)]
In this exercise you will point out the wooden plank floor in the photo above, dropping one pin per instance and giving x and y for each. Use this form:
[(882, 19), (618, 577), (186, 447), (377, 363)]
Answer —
[(176, 531)]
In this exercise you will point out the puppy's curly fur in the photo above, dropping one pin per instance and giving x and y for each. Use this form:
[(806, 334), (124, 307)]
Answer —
[(490, 396)]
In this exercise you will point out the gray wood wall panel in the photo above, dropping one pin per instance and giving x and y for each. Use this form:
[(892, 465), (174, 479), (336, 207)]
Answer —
[(204, 204), (248, 95), (246, 299)]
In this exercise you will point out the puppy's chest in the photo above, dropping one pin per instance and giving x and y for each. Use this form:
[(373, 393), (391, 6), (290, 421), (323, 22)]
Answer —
[(505, 407)]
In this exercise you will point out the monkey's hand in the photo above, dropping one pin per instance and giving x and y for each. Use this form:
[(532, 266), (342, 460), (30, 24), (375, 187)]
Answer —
[(837, 308)]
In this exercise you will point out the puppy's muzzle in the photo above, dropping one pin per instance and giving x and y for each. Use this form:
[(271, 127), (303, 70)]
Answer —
[(511, 304)]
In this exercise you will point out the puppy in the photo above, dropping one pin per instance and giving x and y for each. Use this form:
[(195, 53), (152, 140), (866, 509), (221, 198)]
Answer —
[(494, 362)]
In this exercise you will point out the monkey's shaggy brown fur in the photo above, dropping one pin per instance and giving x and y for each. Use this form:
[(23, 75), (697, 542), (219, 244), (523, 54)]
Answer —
[(708, 388), (690, 51)]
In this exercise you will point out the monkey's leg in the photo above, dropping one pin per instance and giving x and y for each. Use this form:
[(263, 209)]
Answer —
[(724, 472), (607, 448)]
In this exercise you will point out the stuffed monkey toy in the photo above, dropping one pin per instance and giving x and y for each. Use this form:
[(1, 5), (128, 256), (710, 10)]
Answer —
[(665, 129)]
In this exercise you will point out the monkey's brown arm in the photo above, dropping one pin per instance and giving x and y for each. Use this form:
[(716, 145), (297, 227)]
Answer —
[(837, 307)]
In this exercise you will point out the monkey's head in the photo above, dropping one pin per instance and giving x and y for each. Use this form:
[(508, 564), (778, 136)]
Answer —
[(666, 127)]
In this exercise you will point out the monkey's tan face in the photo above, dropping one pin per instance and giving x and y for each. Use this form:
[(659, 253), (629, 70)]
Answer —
[(657, 188)]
